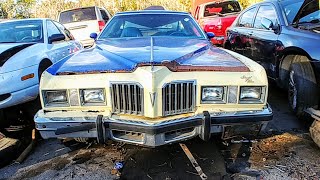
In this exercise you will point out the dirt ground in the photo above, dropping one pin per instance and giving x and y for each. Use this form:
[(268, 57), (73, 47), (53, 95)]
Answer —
[(285, 151)]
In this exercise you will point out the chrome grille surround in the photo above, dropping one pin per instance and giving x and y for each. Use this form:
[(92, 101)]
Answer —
[(178, 97), (127, 98)]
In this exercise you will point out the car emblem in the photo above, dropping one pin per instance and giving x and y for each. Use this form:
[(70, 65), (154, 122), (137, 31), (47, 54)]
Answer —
[(152, 98)]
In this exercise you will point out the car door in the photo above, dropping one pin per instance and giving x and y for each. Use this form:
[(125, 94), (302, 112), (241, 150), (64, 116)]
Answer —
[(59, 49), (239, 35), (73, 45), (264, 40)]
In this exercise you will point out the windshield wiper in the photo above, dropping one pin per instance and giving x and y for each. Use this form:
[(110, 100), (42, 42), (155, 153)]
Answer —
[(7, 42), (314, 21)]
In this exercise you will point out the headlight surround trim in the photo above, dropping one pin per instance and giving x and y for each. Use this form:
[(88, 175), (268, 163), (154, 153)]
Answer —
[(260, 92), (62, 103), (221, 100), (85, 102)]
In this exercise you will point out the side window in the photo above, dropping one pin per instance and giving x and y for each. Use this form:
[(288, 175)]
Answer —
[(52, 29), (65, 31), (246, 19), (265, 11), (104, 15)]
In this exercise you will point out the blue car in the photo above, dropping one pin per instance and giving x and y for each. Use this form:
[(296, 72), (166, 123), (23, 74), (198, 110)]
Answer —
[(27, 48)]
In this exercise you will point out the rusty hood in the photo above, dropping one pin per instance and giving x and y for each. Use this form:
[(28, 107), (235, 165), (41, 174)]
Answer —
[(126, 54)]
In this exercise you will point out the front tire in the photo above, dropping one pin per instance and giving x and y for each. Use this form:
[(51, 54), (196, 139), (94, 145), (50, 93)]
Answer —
[(302, 88)]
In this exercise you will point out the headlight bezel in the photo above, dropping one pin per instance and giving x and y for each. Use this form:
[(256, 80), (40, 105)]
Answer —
[(259, 100), (97, 103), (223, 100), (55, 104)]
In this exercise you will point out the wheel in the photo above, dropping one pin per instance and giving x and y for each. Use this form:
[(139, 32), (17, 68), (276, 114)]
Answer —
[(4, 123), (43, 66), (82, 140), (302, 88), (315, 132)]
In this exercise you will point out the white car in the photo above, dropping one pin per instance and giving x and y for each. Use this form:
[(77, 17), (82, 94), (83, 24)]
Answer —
[(84, 21), (27, 48)]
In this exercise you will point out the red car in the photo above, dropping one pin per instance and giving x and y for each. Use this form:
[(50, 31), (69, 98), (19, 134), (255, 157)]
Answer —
[(216, 17)]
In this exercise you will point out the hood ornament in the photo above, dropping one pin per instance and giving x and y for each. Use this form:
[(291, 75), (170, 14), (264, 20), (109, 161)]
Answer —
[(151, 53), (153, 98)]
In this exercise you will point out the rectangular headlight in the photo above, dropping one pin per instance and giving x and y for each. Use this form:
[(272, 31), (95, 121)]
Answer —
[(252, 94), (55, 98), (92, 96), (213, 94)]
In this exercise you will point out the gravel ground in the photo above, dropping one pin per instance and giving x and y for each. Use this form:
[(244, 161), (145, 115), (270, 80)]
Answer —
[(284, 152)]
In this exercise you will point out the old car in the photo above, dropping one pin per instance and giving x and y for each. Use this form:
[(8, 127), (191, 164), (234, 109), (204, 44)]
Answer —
[(153, 78), (216, 17), (283, 37), (27, 48), (83, 21)]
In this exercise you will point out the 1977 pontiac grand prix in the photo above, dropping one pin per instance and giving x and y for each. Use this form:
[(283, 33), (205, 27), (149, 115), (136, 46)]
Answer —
[(153, 78)]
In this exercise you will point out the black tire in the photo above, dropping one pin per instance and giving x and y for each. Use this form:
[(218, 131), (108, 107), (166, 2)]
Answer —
[(42, 67), (302, 89)]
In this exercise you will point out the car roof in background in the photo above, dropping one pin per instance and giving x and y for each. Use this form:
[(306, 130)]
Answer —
[(152, 12), (28, 19), (80, 8)]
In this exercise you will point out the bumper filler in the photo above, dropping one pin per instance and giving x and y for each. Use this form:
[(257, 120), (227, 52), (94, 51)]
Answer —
[(153, 135)]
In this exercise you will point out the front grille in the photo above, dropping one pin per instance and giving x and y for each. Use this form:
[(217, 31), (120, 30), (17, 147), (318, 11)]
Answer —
[(178, 98), (127, 98)]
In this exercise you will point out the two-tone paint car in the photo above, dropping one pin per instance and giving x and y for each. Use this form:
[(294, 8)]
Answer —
[(27, 48), (153, 78)]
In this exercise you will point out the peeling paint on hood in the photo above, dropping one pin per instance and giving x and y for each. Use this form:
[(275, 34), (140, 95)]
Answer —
[(126, 54)]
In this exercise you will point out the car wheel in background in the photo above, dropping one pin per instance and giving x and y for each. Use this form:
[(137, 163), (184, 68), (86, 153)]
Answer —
[(302, 88)]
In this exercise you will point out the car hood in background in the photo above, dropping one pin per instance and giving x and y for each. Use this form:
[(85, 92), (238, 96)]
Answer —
[(7, 50), (126, 54)]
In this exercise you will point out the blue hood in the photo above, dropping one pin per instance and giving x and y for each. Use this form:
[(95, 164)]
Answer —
[(126, 54)]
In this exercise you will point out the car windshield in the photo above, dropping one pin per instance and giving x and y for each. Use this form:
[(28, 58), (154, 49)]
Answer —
[(146, 25), (310, 13), (221, 8), (21, 31), (78, 15)]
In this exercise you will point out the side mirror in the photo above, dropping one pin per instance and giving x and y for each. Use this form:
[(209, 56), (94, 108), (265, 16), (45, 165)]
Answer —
[(56, 37), (267, 23), (210, 35), (94, 36)]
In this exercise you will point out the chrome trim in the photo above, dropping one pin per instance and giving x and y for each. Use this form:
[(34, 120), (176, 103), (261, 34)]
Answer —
[(66, 104), (127, 103), (171, 89), (262, 99), (93, 103), (224, 98)]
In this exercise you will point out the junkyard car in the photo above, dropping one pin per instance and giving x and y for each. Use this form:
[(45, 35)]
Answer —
[(283, 37), (153, 78), (217, 16), (83, 21), (27, 48)]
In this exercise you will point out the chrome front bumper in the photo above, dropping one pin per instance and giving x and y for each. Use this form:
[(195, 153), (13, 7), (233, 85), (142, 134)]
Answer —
[(142, 133)]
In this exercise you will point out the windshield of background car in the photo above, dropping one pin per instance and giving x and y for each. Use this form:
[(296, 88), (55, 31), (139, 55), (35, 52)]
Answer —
[(21, 31), (310, 10), (146, 25), (221, 8), (78, 15)]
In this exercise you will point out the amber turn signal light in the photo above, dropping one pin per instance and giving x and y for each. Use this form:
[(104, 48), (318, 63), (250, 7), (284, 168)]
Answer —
[(29, 76)]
